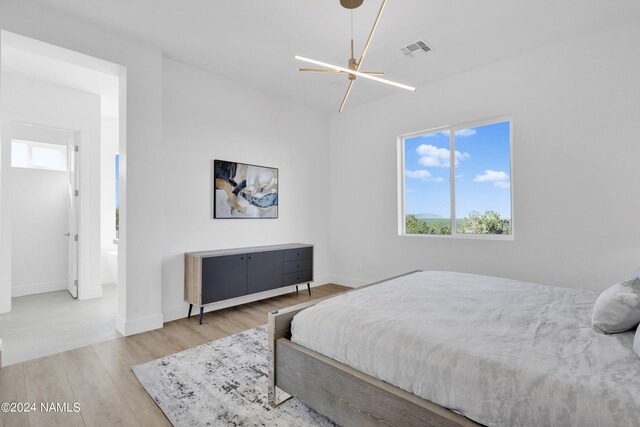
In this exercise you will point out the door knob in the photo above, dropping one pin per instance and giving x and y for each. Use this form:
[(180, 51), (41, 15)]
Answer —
[(68, 235)]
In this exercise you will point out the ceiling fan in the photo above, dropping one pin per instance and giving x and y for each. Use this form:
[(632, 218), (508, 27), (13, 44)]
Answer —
[(353, 68)]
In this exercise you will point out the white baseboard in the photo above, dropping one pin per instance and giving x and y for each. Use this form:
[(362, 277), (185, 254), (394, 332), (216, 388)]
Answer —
[(90, 293), (181, 311), (107, 279), (38, 288), (137, 326)]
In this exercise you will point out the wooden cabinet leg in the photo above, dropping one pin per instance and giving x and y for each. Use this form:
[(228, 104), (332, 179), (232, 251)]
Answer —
[(190, 307), (201, 314)]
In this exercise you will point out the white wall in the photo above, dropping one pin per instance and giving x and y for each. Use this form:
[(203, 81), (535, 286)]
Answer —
[(206, 117), (108, 148), (576, 150), (139, 299), (27, 100)]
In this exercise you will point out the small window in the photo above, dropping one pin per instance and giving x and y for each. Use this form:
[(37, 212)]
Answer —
[(38, 155), (465, 194)]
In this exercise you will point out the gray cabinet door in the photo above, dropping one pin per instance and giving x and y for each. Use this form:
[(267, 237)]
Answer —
[(264, 271), (223, 277)]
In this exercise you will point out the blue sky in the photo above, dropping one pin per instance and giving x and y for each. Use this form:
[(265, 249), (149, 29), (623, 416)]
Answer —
[(483, 172)]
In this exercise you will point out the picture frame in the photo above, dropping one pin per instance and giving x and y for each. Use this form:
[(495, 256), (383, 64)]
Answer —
[(244, 191)]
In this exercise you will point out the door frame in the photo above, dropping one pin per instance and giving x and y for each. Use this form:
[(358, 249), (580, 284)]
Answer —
[(73, 171), (89, 285)]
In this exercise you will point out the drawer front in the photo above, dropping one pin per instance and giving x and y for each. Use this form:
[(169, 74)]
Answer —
[(301, 265), (296, 254), (299, 277)]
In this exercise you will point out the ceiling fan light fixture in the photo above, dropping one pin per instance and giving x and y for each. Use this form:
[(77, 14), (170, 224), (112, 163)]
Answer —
[(354, 66), (356, 73)]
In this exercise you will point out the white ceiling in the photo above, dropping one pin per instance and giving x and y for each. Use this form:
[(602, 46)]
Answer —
[(254, 41)]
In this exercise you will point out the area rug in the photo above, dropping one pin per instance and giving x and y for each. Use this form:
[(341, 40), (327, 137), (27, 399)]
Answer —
[(222, 383)]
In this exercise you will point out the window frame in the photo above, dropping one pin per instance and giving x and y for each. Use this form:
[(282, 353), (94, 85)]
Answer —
[(452, 180), (63, 149)]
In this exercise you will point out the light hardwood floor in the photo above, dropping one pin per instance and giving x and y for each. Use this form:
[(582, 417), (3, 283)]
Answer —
[(99, 376), (53, 322)]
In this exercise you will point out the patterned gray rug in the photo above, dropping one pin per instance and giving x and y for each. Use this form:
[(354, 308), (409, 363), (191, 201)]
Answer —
[(222, 383)]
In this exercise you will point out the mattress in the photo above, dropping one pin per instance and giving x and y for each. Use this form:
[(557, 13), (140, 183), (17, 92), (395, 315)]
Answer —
[(501, 352)]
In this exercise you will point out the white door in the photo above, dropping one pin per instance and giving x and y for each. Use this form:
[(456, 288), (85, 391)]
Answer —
[(72, 235)]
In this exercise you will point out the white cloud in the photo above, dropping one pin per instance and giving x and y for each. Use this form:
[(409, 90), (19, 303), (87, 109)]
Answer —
[(500, 179), (490, 175), (422, 174), (443, 133), (460, 132), (432, 156), (465, 132)]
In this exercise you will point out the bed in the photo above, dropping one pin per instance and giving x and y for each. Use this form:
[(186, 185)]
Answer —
[(452, 349)]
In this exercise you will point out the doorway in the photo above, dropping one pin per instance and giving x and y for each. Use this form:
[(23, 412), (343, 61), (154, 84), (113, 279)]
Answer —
[(59, 137), (44, 209)]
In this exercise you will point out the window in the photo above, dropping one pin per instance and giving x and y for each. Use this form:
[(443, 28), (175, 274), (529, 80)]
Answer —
[(467, 194), (38, 155)]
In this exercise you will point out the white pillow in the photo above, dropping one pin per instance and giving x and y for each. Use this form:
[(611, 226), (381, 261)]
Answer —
[(617, 309), (636, 342)]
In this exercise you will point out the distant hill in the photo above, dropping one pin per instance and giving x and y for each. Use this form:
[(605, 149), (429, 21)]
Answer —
[(428, 215)]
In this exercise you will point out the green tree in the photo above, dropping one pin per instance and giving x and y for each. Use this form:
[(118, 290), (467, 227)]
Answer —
[(488, 223), (415, 225)]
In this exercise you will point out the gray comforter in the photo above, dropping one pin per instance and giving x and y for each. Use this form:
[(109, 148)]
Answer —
[(501, 352)]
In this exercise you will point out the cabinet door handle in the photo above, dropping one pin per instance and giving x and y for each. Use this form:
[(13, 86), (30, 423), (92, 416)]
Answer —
[(249, 257), (241, 257)]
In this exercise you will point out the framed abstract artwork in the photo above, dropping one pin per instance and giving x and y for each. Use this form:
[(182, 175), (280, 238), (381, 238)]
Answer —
[(241, 190)]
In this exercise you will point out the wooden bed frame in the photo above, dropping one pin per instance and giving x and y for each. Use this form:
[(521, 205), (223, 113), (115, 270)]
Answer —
[(347, 396)]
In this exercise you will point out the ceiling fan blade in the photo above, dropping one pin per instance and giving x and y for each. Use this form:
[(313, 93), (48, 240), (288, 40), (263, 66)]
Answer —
[(373, 30), (346, 95), (355, 73), (319, 70)]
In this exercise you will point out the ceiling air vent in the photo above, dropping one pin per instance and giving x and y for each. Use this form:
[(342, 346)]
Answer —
[(414, 48)]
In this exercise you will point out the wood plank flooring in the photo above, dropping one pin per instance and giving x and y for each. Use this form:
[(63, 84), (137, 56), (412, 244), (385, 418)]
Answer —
[(53, 322), (99, 376)]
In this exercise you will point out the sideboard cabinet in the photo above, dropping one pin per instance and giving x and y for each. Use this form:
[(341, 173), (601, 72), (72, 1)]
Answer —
[(212, 276)]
